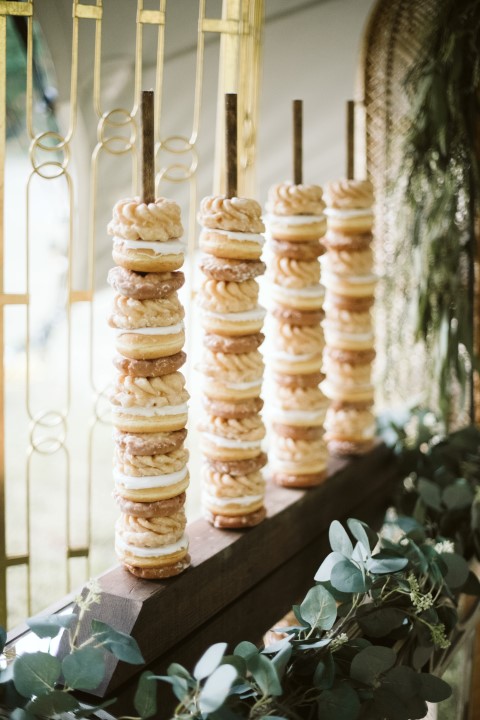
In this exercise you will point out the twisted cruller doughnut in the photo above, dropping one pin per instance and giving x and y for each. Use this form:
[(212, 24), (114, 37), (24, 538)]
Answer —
[(157, 221), (226, 297), (349, 194), (289, 199), (235, 214)]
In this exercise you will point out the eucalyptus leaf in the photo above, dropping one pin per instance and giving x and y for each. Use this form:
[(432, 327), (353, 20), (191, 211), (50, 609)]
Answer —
[(430, 494), (319, 608), (238, 663), (361, 532), (118, 643), (209, 661), (145, 698), (216, 689), (245, 649), (379, 622), (3, 639), (21, 714), (340, 703), (433, 689), (402, 681), (84, 668), (339, 540), (324, 674), (53, 703), (280, 661), (382, 564), (457, 496), (371, 662), (178, 670), (325, 570), (88, 710), (265, 674), (348, 578), (49, 627), (35, 673), (457, 569)]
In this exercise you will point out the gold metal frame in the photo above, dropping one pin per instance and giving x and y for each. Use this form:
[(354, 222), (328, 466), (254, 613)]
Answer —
[(240, 29)]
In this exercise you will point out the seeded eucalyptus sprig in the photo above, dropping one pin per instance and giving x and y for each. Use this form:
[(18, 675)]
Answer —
[(441, 177)]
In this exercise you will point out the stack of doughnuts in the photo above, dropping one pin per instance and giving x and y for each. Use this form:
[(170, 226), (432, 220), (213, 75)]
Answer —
[(149, 402), (232, 430), (296, 222), (347, 271)]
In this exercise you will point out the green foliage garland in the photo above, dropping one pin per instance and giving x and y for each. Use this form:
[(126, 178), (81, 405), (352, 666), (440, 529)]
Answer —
[(365, 634), (441, 176)]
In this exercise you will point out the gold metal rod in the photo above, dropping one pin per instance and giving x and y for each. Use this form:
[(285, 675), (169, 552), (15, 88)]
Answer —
[(3, 116)]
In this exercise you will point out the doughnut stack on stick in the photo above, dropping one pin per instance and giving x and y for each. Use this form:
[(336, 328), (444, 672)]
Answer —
[(149, 402), (348, 276), (232, 367), (296, 222)]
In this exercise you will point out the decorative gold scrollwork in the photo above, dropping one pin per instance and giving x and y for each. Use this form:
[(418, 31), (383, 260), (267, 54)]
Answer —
[(178, 171), (122, 124), (41, 149), (56, 426)]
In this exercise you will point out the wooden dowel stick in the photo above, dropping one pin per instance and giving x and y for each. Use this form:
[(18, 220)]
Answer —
[(231, 144), (350, 139), (148, 148), (297, 107)]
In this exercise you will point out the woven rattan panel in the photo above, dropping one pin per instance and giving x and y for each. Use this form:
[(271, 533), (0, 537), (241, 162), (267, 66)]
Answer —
[(392, 42)]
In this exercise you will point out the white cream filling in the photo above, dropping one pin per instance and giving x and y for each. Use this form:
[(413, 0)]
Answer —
[(257, 313), (167, 330), (283, 355), (229, 443), (331, 279), (151, 411), (208, 499), (149, 481), (335, 428), (294, 219), (338, 213), (317, 290), (331, 332), (299, 415), (235, 386), (170, 247), (181, 544), (230, 235)]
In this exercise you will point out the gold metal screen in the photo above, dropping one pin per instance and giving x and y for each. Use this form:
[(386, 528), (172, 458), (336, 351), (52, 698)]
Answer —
[(51, 156)]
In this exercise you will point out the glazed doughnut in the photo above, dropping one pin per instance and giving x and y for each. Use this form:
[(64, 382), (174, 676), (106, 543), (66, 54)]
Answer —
[(294, 480), (162, 572), (297, 251), (225, 409), (236, 522), (151, 443), (149, 368), (144, 286), (297, 317), (297, 432), (150, 509), (304, 381), (230, 270), (238, 467), (234, 345)]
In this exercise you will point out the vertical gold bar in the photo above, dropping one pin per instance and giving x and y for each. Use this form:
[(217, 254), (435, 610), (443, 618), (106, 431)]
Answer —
[(227, 83), (3, 116)]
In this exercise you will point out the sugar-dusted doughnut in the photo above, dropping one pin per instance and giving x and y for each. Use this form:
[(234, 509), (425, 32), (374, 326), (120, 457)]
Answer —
[(228, 270), (150, 368), (150, 443), (144, 286), (235, 345)]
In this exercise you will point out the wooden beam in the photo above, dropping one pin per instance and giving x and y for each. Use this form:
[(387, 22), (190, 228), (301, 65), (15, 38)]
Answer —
[(227, 566)]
